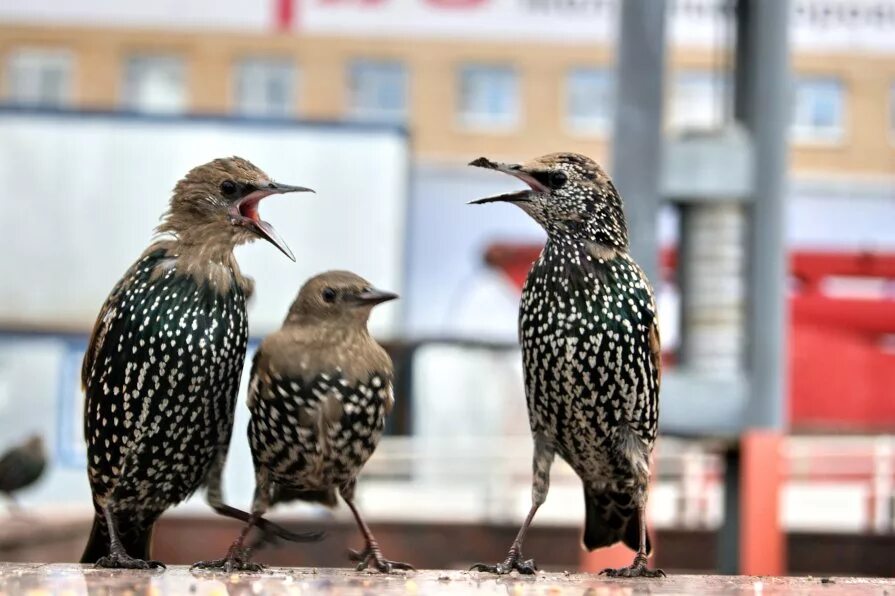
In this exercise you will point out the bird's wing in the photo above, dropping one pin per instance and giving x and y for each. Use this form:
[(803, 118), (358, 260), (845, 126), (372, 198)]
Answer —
[(7, 470), (18, 470), (100, 328), (655, 348), (107, 315)]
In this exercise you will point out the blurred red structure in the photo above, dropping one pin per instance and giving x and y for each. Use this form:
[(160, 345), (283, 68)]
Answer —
[(842, 372)]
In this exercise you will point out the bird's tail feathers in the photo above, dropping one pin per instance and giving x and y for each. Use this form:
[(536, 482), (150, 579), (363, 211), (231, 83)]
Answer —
[(610, 518), (135, 539)]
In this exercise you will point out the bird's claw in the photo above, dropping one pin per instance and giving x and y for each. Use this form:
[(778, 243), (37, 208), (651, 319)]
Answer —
[(229, 564), (512, 563), (125, 561), (372, 556), (635, 570)]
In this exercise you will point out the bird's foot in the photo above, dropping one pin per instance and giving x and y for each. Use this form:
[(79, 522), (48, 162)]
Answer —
[(637, 569), (513, 562), (236, 560), (125, 561), (372, 556)]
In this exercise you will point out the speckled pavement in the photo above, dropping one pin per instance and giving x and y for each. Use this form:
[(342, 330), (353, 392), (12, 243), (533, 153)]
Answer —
[(71, 580)]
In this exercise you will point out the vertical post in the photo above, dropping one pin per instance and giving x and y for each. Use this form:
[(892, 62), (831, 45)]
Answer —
[(762, 541), (761, 103), (728, 545), (637, 139)]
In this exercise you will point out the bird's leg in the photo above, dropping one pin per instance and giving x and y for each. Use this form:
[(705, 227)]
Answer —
[(238, 555), (118, 557), (543, 459), (638, 567), (13, 505), (271, 532), (371, 554)]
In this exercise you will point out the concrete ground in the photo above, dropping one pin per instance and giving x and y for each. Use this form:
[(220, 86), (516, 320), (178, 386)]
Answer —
[(71, 579)]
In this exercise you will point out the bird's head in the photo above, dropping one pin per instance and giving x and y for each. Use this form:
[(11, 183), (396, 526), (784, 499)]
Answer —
[(35, 444), (569, 195), (337, 297), (218, 203)]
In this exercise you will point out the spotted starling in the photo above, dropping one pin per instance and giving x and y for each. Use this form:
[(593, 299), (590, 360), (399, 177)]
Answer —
[(22, 466), (590, 352), (319, 394), (163, 365)]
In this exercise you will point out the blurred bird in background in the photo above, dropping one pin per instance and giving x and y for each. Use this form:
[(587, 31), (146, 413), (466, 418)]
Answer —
[(21, 466), (163, 365), (320, 391), (590, 347)]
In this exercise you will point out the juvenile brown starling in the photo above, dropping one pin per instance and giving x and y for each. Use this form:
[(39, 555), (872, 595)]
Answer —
[(163, 365), (320, 391), (590, 352), (22, 466)]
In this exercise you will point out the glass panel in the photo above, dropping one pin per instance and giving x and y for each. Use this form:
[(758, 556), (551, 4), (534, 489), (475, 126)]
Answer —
[(378, 90), (489, 96), (265, 87), (818, 109), (155, 84), (40, 77), (696, 101), (590, 99)]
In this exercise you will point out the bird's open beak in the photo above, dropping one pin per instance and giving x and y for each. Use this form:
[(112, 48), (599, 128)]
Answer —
[(515, 170), (374, 296), (245, 213)]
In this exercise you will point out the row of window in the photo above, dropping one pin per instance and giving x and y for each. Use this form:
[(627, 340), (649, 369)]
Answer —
[(489, 95)]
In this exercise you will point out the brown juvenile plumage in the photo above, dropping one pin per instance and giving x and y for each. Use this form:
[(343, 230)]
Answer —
[(163, 364), (320, 391)]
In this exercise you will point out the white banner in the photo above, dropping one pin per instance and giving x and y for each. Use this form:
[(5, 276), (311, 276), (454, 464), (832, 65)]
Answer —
[(87, 191)]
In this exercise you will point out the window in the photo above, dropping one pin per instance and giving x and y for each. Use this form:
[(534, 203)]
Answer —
[(892, 112), (154, 83), (697, 98), (590, 99), (378, 90), (39, 77), (818, 110), (265, 87), (489, 96)]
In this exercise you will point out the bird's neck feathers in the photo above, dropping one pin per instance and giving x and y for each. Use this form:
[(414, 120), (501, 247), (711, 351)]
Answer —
[(605, 228), (207, 266), (307, 349)]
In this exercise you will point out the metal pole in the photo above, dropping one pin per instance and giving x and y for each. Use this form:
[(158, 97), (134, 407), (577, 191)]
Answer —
[(727, 557), (637, 139), (762, 105)]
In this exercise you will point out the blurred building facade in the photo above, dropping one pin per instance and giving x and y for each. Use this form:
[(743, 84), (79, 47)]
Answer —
[(509, 79), (465, 76), (500, 78)]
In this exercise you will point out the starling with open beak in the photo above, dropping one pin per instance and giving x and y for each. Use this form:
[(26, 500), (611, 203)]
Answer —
[(590, 350), (319, 395), (163, 364)]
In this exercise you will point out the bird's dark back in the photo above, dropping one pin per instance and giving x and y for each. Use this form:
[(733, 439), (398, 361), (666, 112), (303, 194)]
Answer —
[(585, 325), (161, 379)]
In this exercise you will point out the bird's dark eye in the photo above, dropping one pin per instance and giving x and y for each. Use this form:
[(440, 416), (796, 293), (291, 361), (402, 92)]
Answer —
[(557, 179), (329, 294), (228, 187)]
